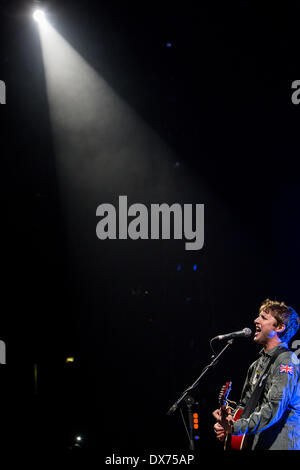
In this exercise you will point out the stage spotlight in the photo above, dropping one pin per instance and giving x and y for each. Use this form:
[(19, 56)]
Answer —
[(39, 16)]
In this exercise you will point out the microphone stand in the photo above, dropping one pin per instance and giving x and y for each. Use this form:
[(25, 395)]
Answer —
[(189, 400)]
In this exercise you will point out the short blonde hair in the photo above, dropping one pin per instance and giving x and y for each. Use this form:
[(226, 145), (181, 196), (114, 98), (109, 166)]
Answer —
[(284, 315)]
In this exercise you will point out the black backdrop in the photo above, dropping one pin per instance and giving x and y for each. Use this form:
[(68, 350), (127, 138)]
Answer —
[(219, 97)]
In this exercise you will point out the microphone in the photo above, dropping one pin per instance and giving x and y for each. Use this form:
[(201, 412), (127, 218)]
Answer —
[(236, 334)]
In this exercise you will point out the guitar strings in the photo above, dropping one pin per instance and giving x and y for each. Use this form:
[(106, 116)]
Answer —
[(231, 402)]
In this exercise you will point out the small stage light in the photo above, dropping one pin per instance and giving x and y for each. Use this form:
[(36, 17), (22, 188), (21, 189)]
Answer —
[(69, 359), (39, 16)]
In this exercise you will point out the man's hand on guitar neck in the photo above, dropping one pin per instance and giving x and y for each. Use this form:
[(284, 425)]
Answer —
[(224, 423), (220, 432)]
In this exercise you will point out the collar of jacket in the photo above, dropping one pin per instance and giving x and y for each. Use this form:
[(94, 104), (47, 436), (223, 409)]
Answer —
[(271, 351)]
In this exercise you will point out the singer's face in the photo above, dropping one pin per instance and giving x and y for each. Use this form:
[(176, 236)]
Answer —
[(266, 327)]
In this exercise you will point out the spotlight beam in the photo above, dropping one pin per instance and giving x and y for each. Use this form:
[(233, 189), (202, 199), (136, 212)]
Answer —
[(39, 16)]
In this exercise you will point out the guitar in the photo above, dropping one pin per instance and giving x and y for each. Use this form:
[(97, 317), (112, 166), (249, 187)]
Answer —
[(231, 442)]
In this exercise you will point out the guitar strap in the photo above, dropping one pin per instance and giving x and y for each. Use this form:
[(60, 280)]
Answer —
[(257, 392)]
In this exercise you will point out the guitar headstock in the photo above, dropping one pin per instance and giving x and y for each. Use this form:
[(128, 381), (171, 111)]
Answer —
[(223, 395)]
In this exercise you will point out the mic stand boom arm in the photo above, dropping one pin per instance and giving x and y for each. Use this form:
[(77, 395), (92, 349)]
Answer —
[(184, 396), (194, 385)]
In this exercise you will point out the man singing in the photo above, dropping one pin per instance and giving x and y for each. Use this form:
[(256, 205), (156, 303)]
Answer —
[(274, 421)]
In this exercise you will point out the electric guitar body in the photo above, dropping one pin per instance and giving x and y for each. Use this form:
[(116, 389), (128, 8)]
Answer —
[(231, 442), (235, 442)]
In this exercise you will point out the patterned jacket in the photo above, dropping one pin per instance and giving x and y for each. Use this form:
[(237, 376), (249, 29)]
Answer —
[(275, 423)]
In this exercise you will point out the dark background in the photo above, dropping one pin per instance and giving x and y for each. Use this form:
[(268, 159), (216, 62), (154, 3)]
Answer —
[(139, 326)]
